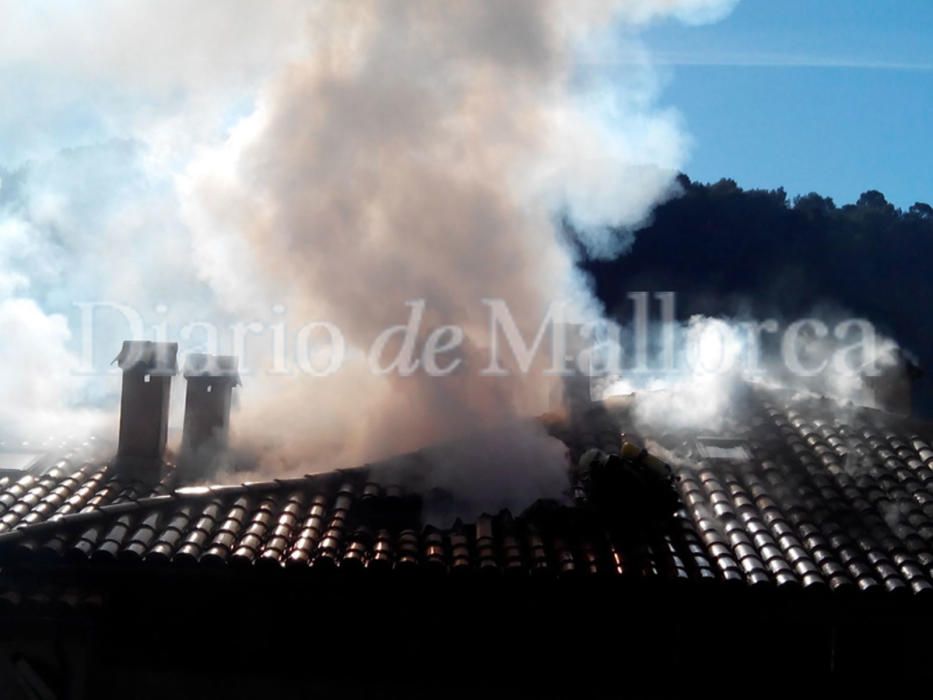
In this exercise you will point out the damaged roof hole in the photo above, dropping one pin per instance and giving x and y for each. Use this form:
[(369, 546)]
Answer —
[(723, 448)]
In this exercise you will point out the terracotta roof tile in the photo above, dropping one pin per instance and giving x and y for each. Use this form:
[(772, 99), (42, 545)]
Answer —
[(819, 504)]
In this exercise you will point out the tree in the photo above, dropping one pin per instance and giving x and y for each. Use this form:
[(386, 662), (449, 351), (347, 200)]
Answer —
[(873, 199), (813, 205), (921, 210)]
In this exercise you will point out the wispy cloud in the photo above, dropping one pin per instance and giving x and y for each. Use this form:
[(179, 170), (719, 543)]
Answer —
[(781, 60)]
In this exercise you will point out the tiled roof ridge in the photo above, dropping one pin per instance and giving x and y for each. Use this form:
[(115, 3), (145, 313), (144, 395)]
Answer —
[(792, 513), (121, 496), (99, 510), (291, 521)]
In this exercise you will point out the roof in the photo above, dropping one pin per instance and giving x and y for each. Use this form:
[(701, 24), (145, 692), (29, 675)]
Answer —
[(826, 502)]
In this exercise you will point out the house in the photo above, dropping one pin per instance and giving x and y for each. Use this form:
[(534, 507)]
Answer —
[(799, 542)]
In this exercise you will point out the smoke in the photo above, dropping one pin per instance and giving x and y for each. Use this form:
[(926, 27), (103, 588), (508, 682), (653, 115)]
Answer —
[(325, 162), (697, 381), (507, 467), (707, 373), (46, 374), (424, 152), (166, 74)]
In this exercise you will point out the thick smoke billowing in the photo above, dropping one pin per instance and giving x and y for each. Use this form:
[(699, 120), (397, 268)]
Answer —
[(325, 161), (425, 152), (694, 377)]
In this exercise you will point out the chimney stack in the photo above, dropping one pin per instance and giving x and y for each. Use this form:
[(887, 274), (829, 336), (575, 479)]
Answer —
[(148, 368), (211, 380)]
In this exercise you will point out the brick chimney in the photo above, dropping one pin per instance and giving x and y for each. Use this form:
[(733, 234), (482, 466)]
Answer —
[(148, 368), (208, 399)]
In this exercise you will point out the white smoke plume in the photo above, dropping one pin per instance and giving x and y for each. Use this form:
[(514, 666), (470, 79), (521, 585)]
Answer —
[(323, 161), (711, 360)]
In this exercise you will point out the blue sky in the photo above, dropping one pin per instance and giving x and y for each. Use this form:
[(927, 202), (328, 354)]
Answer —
[(833, 96)]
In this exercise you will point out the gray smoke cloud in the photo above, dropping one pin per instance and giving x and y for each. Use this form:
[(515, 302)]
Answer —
[(712, 360), (424, 152), (324, 161)]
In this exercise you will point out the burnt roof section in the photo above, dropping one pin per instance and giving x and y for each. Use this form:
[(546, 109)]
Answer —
[(824, 503), (150, 357)]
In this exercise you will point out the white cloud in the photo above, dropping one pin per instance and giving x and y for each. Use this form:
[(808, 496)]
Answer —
[(38, 375)]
